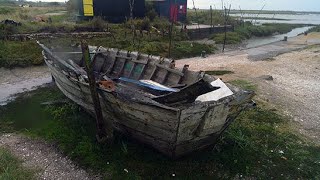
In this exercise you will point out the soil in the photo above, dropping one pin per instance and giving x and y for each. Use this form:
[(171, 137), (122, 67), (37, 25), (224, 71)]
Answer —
[(294, 84), (44, 157)]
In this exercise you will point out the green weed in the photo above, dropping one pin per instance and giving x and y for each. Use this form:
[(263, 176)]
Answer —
[(11, 167), (14, 53), (244, 84), (314, 29), (219, 72), (231, 38)]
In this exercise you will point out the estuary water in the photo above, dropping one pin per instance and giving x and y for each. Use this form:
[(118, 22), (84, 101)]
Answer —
[(310, 19), (255, 42)]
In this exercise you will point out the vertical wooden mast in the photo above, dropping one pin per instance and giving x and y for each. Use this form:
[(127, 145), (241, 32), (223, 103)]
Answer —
[(104, 132)]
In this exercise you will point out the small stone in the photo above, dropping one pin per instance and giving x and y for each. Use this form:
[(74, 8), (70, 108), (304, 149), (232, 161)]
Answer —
[(266, 77)]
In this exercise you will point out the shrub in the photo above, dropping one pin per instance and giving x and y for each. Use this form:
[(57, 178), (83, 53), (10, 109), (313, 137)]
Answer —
[(314, 29), (7, 29), (232, 38)]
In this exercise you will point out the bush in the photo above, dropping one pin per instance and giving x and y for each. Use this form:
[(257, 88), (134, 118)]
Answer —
[(232, 38), (98, 23), (314, 29), (139, 24), (6, 30), (187, 49), (247, 31), (161, 23)]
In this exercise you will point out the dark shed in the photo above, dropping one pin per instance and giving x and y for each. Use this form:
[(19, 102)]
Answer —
[(111, 10), (175, 10)]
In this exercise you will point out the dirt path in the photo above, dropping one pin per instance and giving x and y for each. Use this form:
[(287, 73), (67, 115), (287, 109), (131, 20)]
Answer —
[(45, 157), (295, 87)]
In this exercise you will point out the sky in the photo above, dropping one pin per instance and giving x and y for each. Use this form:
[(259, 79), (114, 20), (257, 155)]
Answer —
[(294, 5)]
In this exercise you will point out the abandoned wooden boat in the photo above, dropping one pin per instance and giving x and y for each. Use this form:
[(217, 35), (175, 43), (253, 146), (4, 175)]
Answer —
[(176, 111)]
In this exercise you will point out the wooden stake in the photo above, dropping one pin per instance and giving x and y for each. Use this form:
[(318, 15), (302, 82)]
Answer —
[(226, 18), (104, 132), (211, 19)]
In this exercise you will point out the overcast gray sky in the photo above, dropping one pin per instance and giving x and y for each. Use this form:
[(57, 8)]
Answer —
[(296, 5)]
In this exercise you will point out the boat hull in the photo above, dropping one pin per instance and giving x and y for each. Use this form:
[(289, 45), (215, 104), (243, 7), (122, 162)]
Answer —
[(172, 131)]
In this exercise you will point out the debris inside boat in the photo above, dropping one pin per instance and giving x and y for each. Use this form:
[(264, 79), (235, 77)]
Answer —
[(176, 111)]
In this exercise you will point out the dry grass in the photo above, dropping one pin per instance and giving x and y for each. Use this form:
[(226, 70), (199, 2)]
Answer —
[(28, 14)]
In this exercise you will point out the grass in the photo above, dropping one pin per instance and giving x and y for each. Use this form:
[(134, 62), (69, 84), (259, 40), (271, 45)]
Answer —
[(259, 144), (232, 38), (155, 45), (14, 53), (21, 54), (247, 31), (314, 29), (219, 72), (11, 167), (7, 10), (204, 17), (244, 84)]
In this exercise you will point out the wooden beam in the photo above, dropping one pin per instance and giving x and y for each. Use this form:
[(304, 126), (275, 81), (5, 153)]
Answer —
[(104, 128), (169, 69)]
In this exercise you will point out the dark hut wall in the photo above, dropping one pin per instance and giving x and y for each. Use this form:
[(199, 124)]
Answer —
[(166, 8), (114, 10)]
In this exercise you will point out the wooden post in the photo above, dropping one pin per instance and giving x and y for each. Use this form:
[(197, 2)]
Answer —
[(104, 131), (226, 18), (170, 31), (211, 23)]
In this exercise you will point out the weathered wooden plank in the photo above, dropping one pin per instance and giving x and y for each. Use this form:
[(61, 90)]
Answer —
[(170, 69), (112, 56), (137, 119), (121, 68), (132, 122), (153, 72), (199, 144), (161, 146), (140, 61)]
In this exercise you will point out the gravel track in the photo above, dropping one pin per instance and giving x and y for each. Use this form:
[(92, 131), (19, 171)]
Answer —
[(39, 155), (295, 88)]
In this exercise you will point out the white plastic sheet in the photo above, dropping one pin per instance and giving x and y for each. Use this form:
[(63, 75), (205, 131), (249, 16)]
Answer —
[(224, 91)]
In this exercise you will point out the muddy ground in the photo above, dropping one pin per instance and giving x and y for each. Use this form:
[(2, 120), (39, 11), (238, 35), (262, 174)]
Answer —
[(294, 67), (18, 80)]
